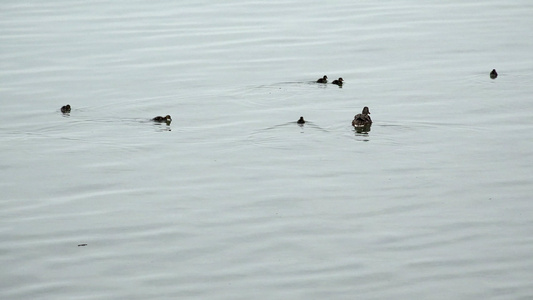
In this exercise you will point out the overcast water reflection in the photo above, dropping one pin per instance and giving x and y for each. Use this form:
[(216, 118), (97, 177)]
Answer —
[(233, 199)]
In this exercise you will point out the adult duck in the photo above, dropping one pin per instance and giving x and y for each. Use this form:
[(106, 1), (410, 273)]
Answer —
[(362, 119), (301, 120)]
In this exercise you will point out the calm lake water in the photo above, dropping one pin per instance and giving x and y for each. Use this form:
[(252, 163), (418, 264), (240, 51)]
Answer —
[(233, 199)]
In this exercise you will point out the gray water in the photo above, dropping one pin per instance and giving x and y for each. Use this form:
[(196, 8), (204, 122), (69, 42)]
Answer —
[(233, 199)]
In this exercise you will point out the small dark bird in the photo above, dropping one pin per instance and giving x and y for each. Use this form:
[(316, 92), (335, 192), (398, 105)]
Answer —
[(301, 121), (82, 245), (323, 79), (493, 74), (363, 118), (65, 109), (166, 119), (338, 82)]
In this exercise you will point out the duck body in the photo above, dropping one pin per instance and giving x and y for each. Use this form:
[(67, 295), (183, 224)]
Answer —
[(301, 120), (493, 74), (166, 119), (362, 119), (338, 82), (323, 79), (65, 109)]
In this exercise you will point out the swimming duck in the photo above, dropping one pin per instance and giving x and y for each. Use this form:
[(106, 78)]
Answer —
[(338, 81), (323, 79), (301, 121), (493, 74), (65, 109), (363, 118), (167, 119)]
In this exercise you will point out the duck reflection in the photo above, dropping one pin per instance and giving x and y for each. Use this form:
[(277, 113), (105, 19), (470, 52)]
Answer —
[(363, 129)]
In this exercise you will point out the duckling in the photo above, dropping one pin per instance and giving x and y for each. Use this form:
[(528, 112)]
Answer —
[(323, 79), (338, 82), (166, 119), (301, 121), (363, 118), (65, 109), (493, 74)]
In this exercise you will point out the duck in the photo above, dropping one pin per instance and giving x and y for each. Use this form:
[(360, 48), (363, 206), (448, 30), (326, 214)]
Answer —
[(338, 82), (167, 119), (65, 109), (301, 120), (363, 118), (493, 74), (323, 79)]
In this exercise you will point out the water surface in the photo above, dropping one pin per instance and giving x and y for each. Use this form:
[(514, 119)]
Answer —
[(233, 199)]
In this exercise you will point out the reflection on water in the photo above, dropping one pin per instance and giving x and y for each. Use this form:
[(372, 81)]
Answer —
[(363, 128)]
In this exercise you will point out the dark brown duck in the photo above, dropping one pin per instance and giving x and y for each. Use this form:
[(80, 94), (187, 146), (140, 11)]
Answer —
[(363, 118), (338, 82), (65, 109), (165, 119), (323, 79), (493, 74)]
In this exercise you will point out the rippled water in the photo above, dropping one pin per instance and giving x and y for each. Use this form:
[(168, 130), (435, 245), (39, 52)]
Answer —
[(233, 199)]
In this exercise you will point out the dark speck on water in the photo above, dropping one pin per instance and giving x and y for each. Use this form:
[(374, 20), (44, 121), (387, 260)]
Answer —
[(65, 109), (493, 74)]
